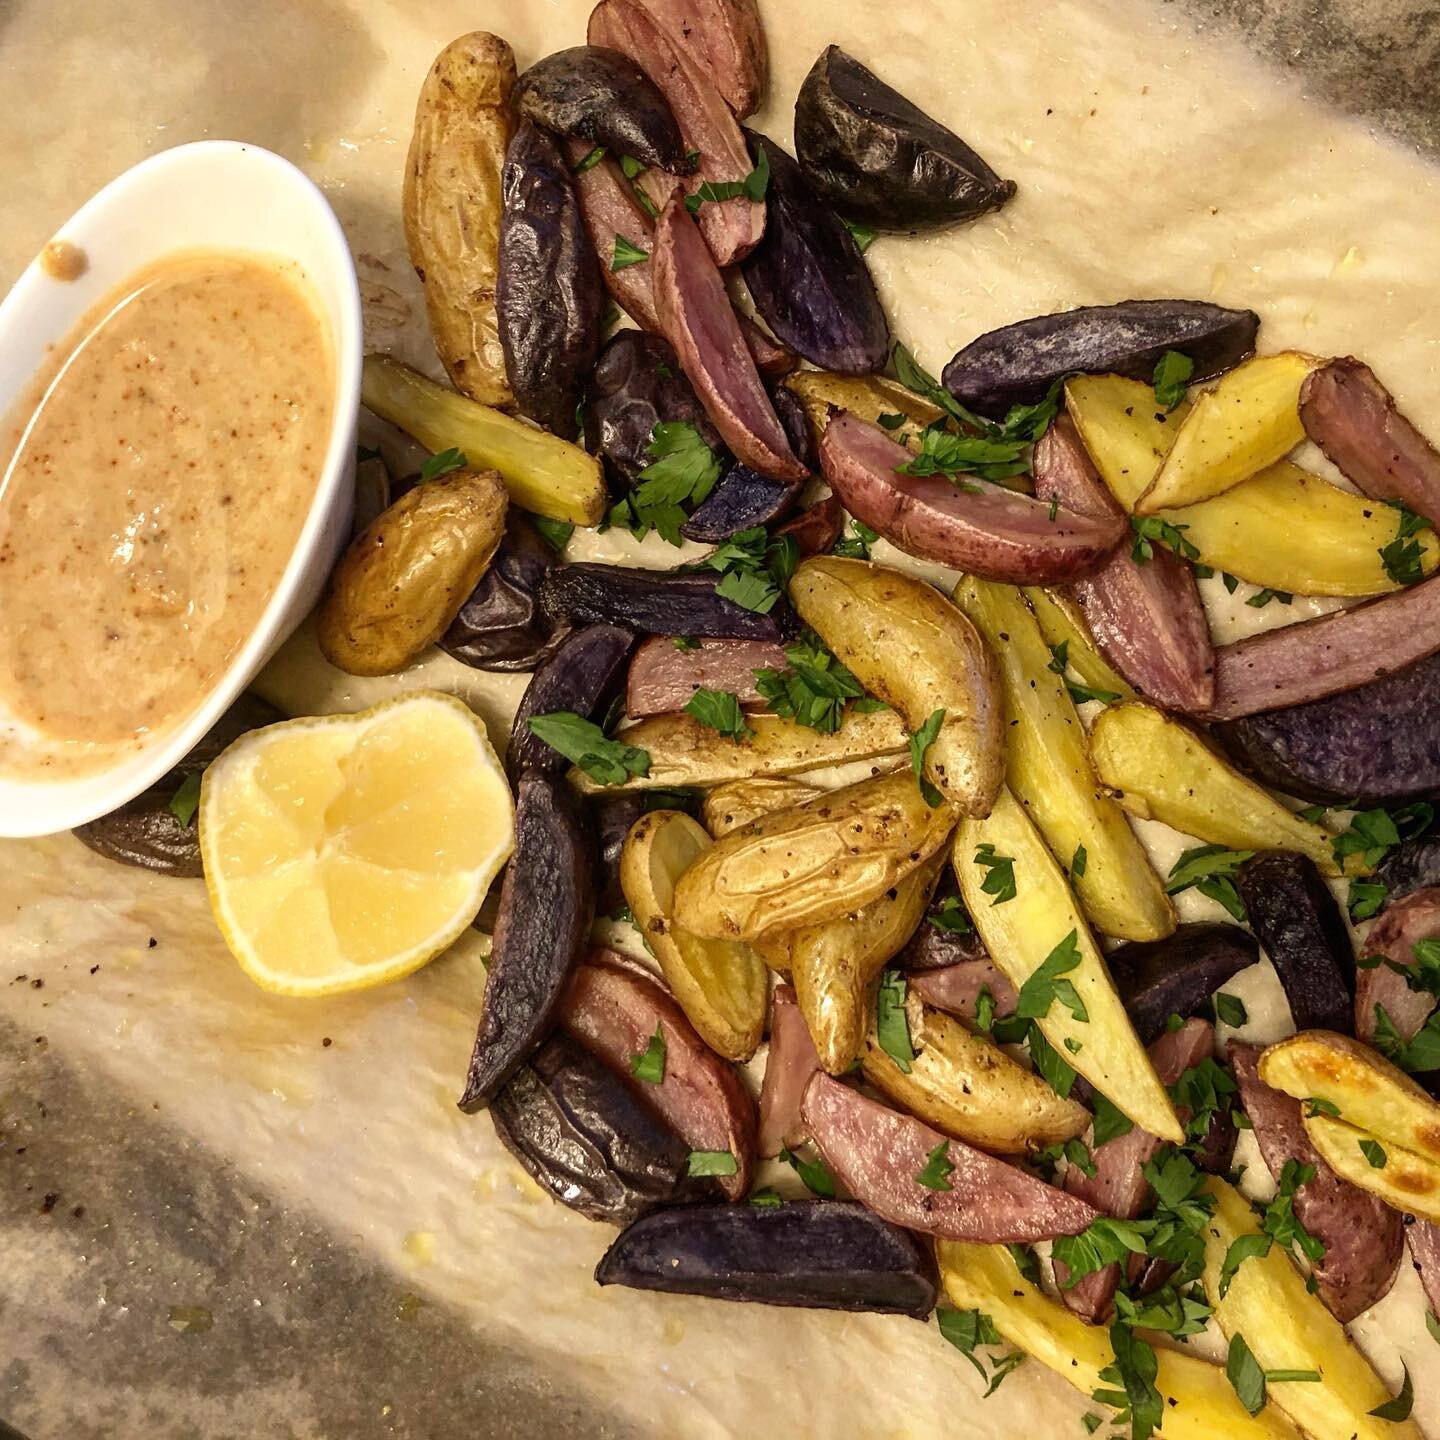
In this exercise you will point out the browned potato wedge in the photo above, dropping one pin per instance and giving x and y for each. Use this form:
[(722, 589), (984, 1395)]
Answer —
[(405, 577), (451, 206), (1199, 1401), (814, 862), (912, 648), (720, 984), (1021, 932), (1287, 1328), (683, 752), (1162, 770), (1049, 773), (1247, 422), (1368, 1091), (727, 807), (867, 396), (1061, 623), (967, 1086), (832, 964), (1401, 1178)]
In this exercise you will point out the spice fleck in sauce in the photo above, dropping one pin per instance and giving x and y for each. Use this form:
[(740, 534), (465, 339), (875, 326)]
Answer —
[(153, 481)]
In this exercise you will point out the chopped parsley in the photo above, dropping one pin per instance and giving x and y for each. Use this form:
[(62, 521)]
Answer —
[(1023, 423), (631, 168), (1210, 869), (938, 1169), (1278, 1221), (585, 744), (942, 452), (1365, 897), (892, 1027), (1078, 861), (920, 742), (711, 1162), (1243, 1371), (1044, 985), (649, 1064), (814, 691), (591, 160), (1000, 877), (1152, 530), (1053, 1070), (754, 568), (1079, 693), (1261, 598), (1399, 1408), (1316, 1106), (1110, 1122), (555, 533), (684, 644), (856, 545), (720, 710), (1230, 1010), (1172, 374), (1129, 1384), (817, 1178), (767, 1198), (625, 254), (1403, 558), (752, 187), (442, 463), (950, 917), (1203, 1089), (967, 1331), (862, 235), (1374, 1152), (1253, 1246), (683, 471), (1103, 1242), (186, 799)]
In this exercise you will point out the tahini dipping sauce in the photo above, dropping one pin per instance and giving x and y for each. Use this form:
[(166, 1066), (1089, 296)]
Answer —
[(154, 479)]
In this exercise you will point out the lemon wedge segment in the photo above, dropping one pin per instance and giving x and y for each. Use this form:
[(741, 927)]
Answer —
[(343, 851)]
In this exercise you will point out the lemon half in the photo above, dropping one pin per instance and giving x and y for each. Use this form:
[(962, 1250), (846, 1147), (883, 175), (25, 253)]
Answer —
[(347, 850)]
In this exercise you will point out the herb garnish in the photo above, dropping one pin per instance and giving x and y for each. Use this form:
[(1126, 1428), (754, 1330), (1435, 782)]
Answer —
[(555, 533), (684, 470), (442, 463), (1079, 693), (1230, 1010), (1110, 1122), (1261, 598), (1399, 1408), (813, 1172), (1000, 881), (814, 691), (684, 644), (1152, 530), (1021, 423), (1403, 557), (942, 452), (754, 568), (1365, 897), (938, 1169), (1172, 374), (1374, 1152), (862, 235), (625, 254), (1211, 869), (591, 160), (856, 546), (186, 799), (967, 1330), (720, 710), (1043, 986), (649, 1064), (920, 742), (950, 917), (752, 187), (1132, 1383), (768, 1198), (892, 1027), (585, 744), (711, 1162)]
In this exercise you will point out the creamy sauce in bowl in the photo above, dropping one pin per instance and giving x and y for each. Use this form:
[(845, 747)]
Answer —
[(155, 477)]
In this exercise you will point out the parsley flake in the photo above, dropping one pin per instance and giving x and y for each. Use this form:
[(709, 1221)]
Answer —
[(1044, 985), (1152, 530), (892, 1027), (752, 187), (1172, 374), (442, 463), (720, 710), (1000, 878), (813, 1172), (585, 744), (938, 1169), (1374, 1152), (711, 1162), (920, 742), (1211, 869), (649, 1065), (625, 254), (862, 235), (186, 799)]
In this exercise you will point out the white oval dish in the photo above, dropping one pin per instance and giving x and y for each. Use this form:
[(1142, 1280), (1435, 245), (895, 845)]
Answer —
[(215, 194)]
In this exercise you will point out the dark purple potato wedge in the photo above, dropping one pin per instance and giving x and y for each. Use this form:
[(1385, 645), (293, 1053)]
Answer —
[(1353, 418), (823, 1254), (1119, 1187), (145, 832), (932, 947), (1377, 744), (1393, 938), (547, 903), (1296, 919), (614, 815), (701, 324), (583, 1134), (583, 676), (663, 678), (604, 97), (1147, 619), (653, 602), (501, 627), (550, 291), (1410, 866), (744, 498), (876, 1153), (1363, 1237), (1177, 976), (1328, 654), (1017, 364), (808, 279), (614, 1008), (984, 528), (637, 385), (881, 160)]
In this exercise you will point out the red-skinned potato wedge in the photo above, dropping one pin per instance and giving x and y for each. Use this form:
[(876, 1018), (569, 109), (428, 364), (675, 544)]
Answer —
[(816, 528), (663, 678), (1424, 1241), (1118, 1186), (1394, 936), (984, 529), (1353, 418), (1363, 1237), (609, 208), (727, 40), (700, 323), (1147, 618), (732, 228), (613, 1008), (772, 359), (789, 1063), (877, 1153), (1327, 654), (956, 989)]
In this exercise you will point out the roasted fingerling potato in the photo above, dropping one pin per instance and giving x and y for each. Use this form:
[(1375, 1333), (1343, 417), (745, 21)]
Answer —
[(908, 645), (464, 122), (404, 578)]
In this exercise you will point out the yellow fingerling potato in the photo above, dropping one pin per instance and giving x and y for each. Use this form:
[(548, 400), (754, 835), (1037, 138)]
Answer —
[(1400, 1177), (720, 984), (1061, 623), (1247, 422), (1048, 771), (1043, 918), (813, 862), (1162, 770), (867, 396), (1288, 1328), (967, 1086), (544, 474), (1199, 1402), (683, 752), (907, 644), (1369, 1092), (1284, 528), (727, 807)]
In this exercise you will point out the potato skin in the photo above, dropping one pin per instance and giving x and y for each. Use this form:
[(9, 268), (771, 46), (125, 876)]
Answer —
[(907, 644), (403, 580), (464, 121)]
